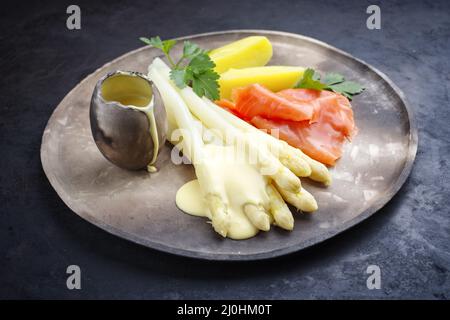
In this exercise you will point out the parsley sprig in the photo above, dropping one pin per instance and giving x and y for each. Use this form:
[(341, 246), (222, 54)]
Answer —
[(194, 68), (332, 82)]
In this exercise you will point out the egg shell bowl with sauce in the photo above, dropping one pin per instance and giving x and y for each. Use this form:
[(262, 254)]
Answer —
[(140, 207)]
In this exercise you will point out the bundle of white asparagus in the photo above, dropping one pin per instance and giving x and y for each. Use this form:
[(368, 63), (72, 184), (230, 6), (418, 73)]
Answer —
[(280, 164)]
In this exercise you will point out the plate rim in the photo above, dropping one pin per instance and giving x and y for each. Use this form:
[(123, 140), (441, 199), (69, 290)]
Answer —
[(376, 206)]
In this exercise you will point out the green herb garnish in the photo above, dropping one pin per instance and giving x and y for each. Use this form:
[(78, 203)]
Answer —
[(194, 68), (332, 82)]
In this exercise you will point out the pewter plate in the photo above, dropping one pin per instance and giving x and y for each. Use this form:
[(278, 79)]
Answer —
[(141, 207)]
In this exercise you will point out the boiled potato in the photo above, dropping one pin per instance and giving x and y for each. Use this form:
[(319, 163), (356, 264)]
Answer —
[(274, 78), (248, 52)]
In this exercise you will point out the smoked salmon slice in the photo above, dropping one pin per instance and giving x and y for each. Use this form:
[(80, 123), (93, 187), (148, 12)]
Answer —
[(256, 100), (329, 107), (322, 136), (320, 141)]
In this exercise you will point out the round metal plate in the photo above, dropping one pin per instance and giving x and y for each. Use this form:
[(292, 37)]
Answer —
[(141, 207)]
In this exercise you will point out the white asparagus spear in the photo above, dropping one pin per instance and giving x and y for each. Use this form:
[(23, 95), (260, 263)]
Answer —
[(257, 216), (279, 210), (215, 195), (302, 200)]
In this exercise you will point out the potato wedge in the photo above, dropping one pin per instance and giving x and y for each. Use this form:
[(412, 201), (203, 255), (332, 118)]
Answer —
[(248, 52), (274, 78)]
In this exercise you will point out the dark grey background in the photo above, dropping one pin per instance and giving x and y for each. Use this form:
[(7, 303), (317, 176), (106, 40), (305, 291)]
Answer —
[(39, 236)]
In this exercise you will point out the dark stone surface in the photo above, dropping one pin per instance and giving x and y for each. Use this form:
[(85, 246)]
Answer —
[(39, 236)]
